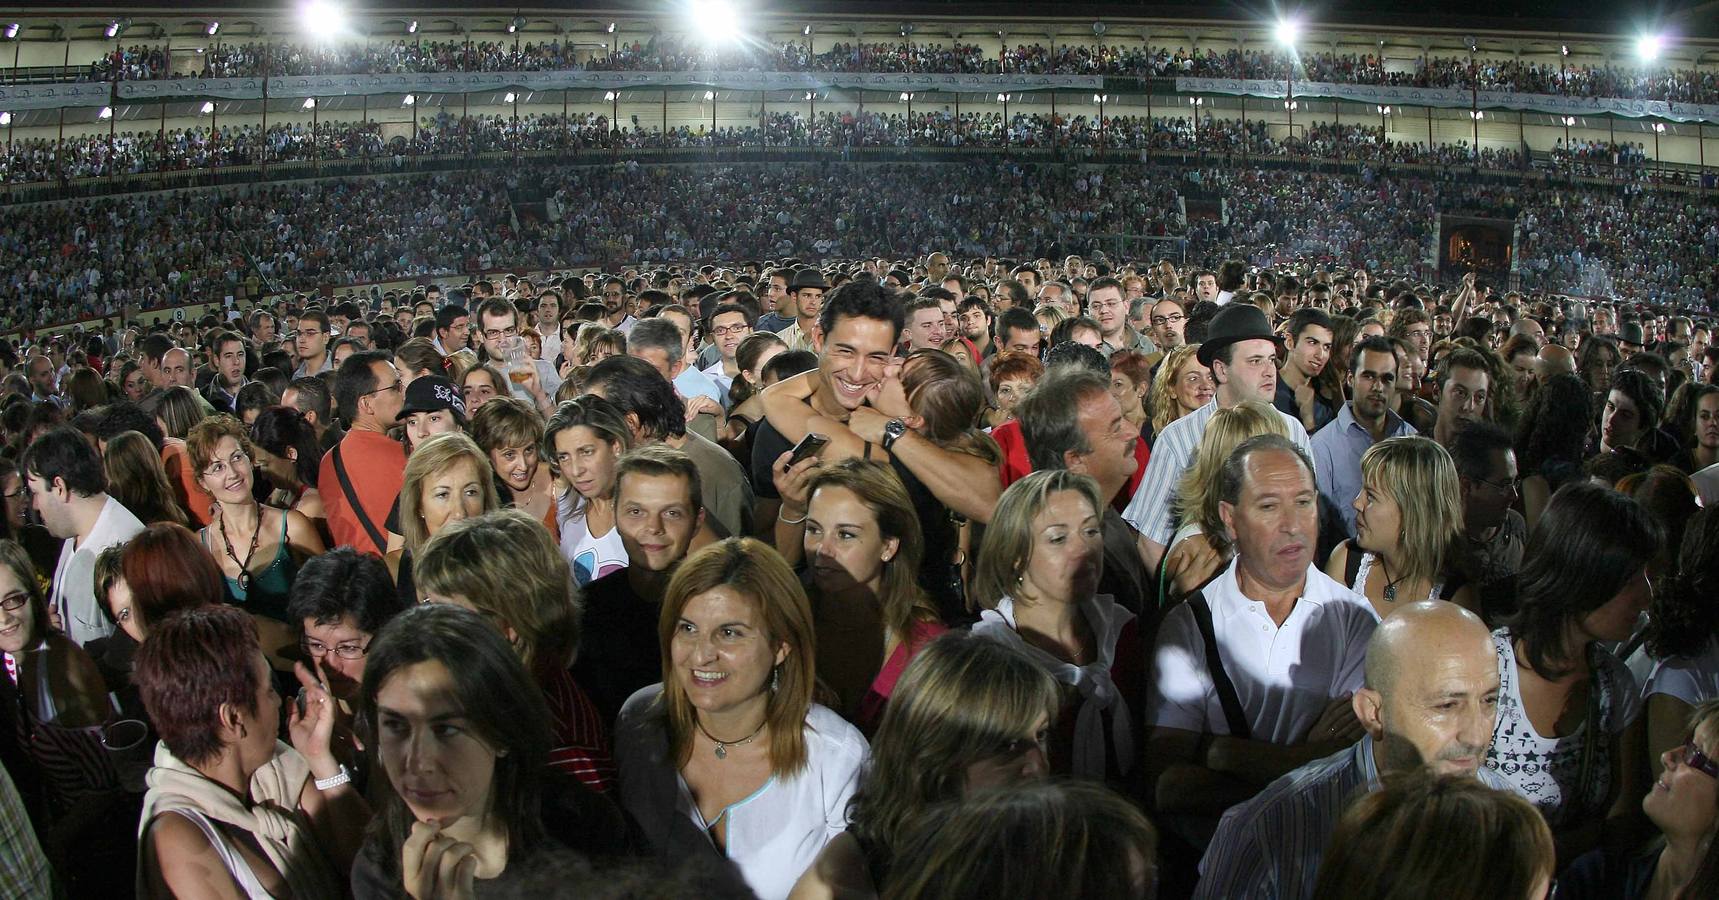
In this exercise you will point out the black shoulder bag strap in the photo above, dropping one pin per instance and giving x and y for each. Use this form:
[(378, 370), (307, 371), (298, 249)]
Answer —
[(1352, 563), (357, 507), (1215, 666)]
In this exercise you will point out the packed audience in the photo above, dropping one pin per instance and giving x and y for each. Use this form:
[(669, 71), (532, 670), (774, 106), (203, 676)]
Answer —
[(905, 575), (669, 53)]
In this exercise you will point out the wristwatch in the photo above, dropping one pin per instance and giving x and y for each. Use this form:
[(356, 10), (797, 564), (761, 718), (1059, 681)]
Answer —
[(892, 430)]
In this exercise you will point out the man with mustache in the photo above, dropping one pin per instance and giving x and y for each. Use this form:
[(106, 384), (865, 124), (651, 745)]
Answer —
[(1430, 699)]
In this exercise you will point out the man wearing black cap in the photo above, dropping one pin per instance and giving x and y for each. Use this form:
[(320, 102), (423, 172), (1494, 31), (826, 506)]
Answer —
[(1241, 350), (1630, 339), (806, 289)]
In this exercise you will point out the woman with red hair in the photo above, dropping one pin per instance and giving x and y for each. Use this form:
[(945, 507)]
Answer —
[(167, 571)]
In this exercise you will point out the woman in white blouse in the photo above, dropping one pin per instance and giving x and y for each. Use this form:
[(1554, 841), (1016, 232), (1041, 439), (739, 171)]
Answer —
[(1568, 736), (1037, 577), (729, 756)]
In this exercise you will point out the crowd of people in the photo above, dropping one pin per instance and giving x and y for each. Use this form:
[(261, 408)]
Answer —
[(670, 53), (900, 575), (32, 160), (82, 259)]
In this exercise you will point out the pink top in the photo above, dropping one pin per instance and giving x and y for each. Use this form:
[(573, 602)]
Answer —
[(877, 697)]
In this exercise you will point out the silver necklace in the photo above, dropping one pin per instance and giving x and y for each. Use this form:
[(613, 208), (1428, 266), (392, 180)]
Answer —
[(722, 746)]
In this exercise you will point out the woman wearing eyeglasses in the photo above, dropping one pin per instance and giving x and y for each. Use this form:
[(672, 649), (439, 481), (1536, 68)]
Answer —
[(257, 547), (1684, 805)]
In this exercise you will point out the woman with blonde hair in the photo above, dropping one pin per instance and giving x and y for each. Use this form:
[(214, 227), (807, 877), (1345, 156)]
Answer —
[(1408, 523), (504, 565), (136, 479), (447, 479), (1037, 581), (968, 714), (729, 758), (510, 431), (862, 548), (1181, 386), (596, 343), (178, 411), (1428, 836)]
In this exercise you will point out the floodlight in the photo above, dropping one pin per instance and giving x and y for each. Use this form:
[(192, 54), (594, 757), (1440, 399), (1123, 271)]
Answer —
[(1196, 101), (1659, 127), (1384, 110), (409, 100), (609, 96), (12, 31), (807, 31), (310, 103), (1476, 114), (1291, 105), (412, 27), (715, 21), (322, 18), (208, 107), (106, 113), (1288, 32), (1569, 121), (508, 98), (808, 95), (710, 95), (113, 29), (1648, 46), (611, 27), (5, 118), (517, 23), (214, 27), (1002, 98)]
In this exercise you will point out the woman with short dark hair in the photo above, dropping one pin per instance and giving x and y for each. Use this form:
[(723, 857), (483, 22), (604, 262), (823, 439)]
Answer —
[(231, 809)]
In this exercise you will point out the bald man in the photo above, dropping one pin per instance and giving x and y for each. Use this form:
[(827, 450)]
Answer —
[(1530, 328), (1553, 359), (1430, 699)]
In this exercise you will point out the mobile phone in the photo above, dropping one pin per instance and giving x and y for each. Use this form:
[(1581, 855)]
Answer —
[(810, 445)]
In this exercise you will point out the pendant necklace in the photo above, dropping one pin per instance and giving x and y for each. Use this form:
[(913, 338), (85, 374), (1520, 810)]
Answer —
[(722, 746), (244, 578), (1390, 586)]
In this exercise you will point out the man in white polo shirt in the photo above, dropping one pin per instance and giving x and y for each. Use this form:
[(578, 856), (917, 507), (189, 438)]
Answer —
[(1289, 645), (68, 489)]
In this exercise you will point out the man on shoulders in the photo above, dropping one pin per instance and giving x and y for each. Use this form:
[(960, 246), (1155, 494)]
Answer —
[(1362, 422), (68, 489), (361, 477), (1290, 643), (657, 512), (1429, 698)]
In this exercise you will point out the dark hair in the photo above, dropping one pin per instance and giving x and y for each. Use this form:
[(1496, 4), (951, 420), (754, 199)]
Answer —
[(449, 313), (789, 363), (1015, 318), (314, 397), (154, 346), (1554, 427), (1064, 330), (1372, 344), (1070, 355), (1308, 317), (638, 388), (65, 453), (1586, 547), (191, 664), (863, 299), (1644, 392), (1050, 415), (355, 379), (1684, 617), (168, 570), (345, 582), (1472, 448), (116, 418), (500, 701)]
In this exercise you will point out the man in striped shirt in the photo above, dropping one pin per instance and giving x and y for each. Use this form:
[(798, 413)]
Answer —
[(1430, 698), (1242, 353)]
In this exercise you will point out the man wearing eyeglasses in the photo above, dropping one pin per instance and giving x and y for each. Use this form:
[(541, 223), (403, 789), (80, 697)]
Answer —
[(362, 475), (1105, 303), (504, 348), (614, 297), (1486, 468), (310, 342), (730, 323)]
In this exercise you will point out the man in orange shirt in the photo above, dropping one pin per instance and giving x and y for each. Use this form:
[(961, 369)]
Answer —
[(362, 475)]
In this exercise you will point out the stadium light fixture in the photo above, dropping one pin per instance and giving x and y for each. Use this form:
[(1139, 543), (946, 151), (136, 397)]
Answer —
[(716, 21), (106, 113), (412, 27), (611, 27), (710, 95), (1476, 114), (1384, 110), (310, 103), (806, 32), (1648, 46), (5, 119), (112, 30), (1659, 127), (214, 27), (609, 96), (509, 98), (517, 23), (808, 95), (1569, 121), (1100, 98), (409, 100), (1196, 101), (322, 18), (1002, 98), (1288, 31), (12, 31), (1563, 49), (208, 107)]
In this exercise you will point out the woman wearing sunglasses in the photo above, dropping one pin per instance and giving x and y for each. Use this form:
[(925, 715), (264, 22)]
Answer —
[(1684, 806)]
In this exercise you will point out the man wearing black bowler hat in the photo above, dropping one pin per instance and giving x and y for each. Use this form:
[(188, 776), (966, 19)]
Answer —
[(806, 289), (1241, 350)]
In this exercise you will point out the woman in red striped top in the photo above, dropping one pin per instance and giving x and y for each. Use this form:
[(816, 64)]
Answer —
[(505, 565)]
